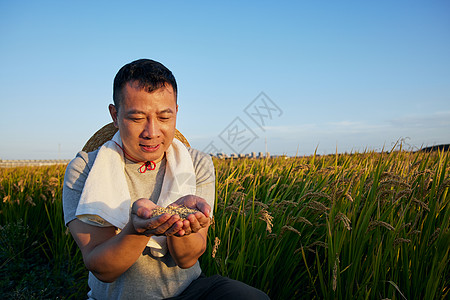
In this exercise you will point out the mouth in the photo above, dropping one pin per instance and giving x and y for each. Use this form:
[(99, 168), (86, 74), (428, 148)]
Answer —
[(149, 148)]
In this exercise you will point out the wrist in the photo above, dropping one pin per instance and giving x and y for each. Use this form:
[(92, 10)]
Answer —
[(129, 229)]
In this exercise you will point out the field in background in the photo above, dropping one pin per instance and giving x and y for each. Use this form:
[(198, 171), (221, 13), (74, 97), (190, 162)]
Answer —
[(12, 163), (366, 226)]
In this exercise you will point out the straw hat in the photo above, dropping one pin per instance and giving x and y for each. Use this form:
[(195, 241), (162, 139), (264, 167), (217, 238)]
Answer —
[(106, 133)]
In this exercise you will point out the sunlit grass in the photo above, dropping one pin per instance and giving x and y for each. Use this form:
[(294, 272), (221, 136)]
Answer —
[(366, 226), (38, 257), (369, 226)]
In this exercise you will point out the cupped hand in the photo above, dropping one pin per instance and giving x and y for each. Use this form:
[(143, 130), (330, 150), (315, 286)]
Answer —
[(144, 223), (196, 221)]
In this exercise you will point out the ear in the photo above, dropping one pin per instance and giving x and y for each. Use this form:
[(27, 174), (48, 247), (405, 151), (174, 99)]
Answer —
[(113, 112)]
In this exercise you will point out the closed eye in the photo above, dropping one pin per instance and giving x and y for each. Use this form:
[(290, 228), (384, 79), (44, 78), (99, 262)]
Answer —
[(165, 116), (136, 119)]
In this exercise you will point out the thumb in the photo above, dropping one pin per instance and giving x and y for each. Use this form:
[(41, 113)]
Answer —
[(204, 208), (143, 212)]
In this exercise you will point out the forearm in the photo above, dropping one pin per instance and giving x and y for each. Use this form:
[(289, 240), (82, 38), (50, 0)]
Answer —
[(186, 250), (111, 258), (108, 261)]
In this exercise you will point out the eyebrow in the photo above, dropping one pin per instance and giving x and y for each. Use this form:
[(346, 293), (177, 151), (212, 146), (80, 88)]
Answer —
[(166, 111), (135, 112), (140, 112)]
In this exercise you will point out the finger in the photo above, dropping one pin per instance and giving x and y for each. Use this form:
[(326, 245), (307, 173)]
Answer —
[(204, 207), (175, 228), (142, 206), (143, 212), (203, 220), (141, 224), (187, 227), (180, 233), (144, 202), (200, 204), (164, 227), (193, 223), (156, 225), (198, 221)]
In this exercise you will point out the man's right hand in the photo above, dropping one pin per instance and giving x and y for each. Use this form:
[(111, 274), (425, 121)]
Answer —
[(144, 223)]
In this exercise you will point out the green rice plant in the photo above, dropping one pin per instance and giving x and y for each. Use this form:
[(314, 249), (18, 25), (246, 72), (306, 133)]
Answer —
[(243, 221), (369, 225), (362, 225), (38, 257)]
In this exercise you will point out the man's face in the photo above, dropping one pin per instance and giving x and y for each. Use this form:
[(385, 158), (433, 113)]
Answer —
[(146, 121)]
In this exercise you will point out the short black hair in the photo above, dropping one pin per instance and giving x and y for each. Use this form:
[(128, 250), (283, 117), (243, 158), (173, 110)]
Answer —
[(151, 75)]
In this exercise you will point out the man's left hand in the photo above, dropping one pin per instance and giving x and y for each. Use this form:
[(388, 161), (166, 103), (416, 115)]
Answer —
[(196, 221)]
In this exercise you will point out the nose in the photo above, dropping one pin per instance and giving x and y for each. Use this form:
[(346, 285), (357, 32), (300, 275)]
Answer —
[(151, 130)]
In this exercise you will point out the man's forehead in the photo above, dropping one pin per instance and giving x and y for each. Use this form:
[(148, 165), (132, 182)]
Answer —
[(134, 101), (136, 84)]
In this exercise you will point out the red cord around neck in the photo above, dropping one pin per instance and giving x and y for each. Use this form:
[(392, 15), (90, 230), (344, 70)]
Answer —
[(148, 165)]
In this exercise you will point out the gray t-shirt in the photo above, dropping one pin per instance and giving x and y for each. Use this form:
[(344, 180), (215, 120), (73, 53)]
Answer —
[(149, 277)]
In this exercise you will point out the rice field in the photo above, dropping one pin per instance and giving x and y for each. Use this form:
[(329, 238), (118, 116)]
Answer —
[(364, 226)]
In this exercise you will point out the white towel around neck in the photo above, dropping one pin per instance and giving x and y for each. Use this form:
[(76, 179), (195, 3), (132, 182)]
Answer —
[(106, 194)]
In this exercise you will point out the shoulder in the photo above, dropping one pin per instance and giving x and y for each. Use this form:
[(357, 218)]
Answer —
[(199, 156), (78, 168), (203, 165), (82, 162), (75, 176)]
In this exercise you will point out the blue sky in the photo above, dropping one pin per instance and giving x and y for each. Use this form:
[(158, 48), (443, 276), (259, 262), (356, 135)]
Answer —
[(351, 75)]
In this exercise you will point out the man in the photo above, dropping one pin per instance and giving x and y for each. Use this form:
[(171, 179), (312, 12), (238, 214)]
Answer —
[(109, 196)]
